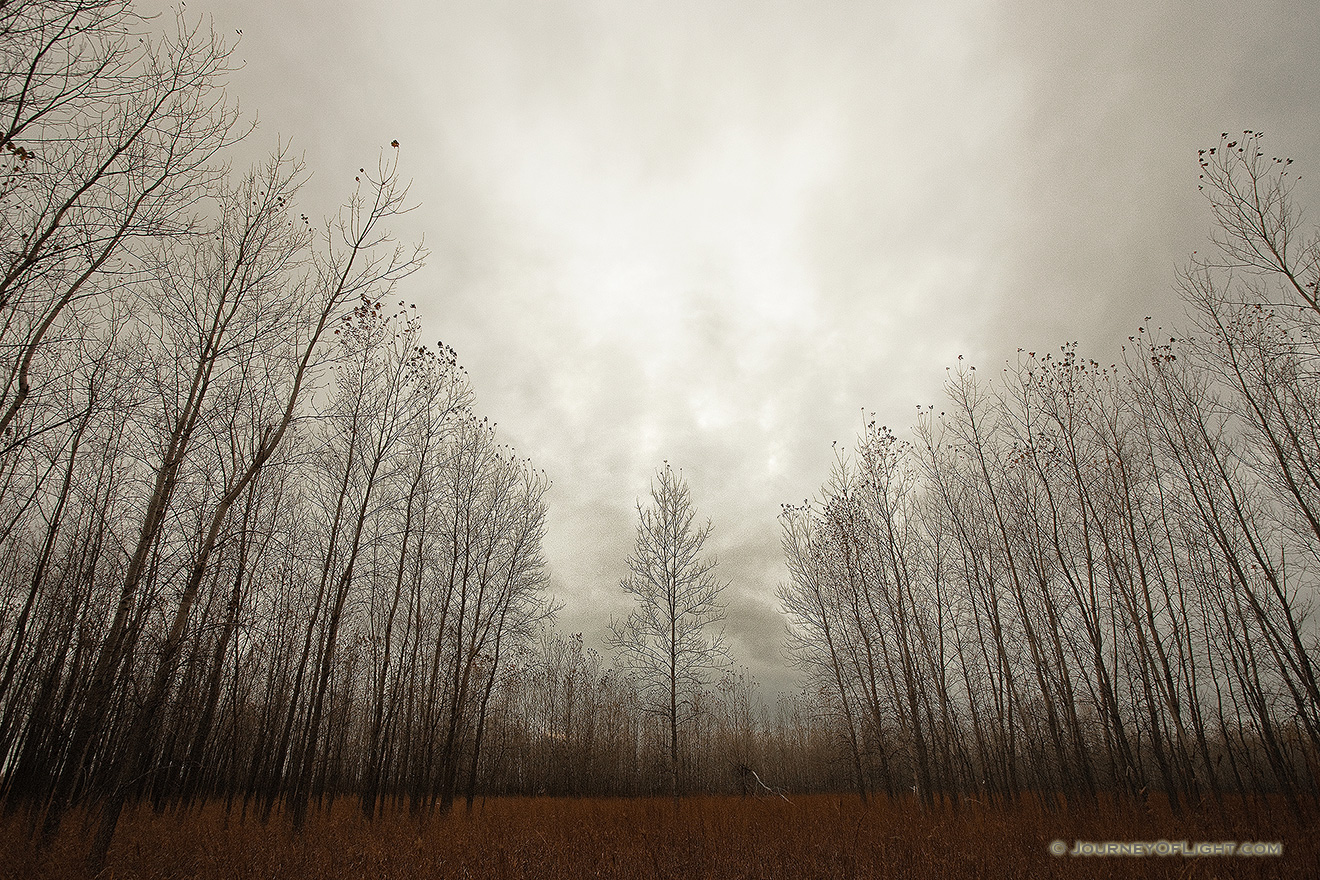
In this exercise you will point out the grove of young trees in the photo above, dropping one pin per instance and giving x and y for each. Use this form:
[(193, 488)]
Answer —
[(1079, 579), (255, 543)]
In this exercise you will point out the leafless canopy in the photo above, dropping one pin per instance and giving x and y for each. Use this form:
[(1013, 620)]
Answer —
[(667, 642)]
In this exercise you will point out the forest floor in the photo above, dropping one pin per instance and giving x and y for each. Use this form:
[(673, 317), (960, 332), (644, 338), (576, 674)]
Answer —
[(824, 836)]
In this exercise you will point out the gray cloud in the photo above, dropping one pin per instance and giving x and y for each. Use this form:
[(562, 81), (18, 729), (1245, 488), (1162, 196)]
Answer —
[(715, 233)]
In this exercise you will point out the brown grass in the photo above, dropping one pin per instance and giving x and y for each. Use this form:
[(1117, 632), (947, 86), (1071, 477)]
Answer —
[(820, 836)]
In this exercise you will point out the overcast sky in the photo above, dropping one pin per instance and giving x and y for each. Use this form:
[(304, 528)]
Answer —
[(714, 233)]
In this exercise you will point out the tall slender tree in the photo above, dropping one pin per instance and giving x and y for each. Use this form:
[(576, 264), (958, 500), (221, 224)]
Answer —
[(669, 642)]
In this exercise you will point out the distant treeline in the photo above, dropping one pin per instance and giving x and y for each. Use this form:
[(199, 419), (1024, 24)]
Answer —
[(564, 722)]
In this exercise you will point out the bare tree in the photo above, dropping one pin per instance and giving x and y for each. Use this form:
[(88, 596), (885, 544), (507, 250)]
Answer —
[(110, 139), (668, 642)]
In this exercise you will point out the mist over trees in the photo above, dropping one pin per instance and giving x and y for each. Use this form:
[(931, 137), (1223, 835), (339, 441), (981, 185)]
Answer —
[(257, 545)]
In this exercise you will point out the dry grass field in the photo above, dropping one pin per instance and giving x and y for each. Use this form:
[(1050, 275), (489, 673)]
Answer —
[(811, 837)]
